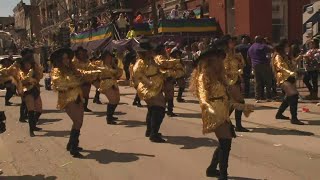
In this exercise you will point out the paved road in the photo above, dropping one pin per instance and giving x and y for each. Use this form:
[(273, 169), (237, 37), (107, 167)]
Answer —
[(274, 149)]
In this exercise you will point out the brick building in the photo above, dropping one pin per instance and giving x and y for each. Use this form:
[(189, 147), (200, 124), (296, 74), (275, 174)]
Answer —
[(271, 18)]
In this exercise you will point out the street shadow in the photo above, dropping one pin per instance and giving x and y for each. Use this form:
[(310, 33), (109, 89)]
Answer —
[(48, 111), (106, 156), (242, 178), (28, 177), (312, 122), (191, 142), (104, 113), (192, 101), (48, 121), (264, 108), (127, 94), (273, 131), (55, 133), (131, 123), (189, 115)]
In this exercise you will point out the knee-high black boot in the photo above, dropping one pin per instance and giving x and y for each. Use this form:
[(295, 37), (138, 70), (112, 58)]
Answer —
[(85, 104), (148, 122), (180, 92), (31, 121), (170, 108), (74, 143), (96, 98), (73, 134), (225, 145), (293, 102), (110, 111), (137, 101), (238, 117), (284, 105), (8, 96), (157, 116), (36, 120), (212, 169), (23, 110)]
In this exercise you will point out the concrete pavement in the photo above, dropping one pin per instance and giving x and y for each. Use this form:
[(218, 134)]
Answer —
[(273, 150)]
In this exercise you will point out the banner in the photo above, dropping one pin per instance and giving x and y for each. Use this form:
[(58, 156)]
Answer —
[(188, 25)]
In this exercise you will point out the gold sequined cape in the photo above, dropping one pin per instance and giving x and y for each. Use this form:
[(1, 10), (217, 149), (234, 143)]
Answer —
[(283, 68), (68, 86), (214, 103), (170, 67), (233, 64), (149, 79), (11, 74), (108, 77), (86, 67), (32, 78)]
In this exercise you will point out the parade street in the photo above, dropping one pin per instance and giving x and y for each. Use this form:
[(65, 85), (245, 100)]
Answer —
[(275, 150)]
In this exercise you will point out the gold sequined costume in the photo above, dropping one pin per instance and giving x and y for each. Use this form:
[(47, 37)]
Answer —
[(234, 64), (283, 68), (108, 77), (11, 74), (149, 79)]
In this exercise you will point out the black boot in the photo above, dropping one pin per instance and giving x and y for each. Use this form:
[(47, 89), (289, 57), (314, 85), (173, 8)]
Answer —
[(96, 98), (170, 108), (148, 122), (284, 105), (85, 104), (157, 116), (73, 134), (212, 169), (8, 96), (225, 147), (36, 120), (137, 101), (293, 102), (110, 111), (179, 97), (238, 117), (31, 121), (23, 115), (74, 144)]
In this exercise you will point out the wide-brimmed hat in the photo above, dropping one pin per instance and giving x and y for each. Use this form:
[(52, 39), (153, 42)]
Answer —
[(2, 61), (175, 50), (172, 43), (107, 53), (216, 50), (144, 45), (159, 48), (26, 51), (80, 49), (57, 54)]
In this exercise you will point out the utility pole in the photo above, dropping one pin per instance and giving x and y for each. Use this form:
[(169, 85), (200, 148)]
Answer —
[(155, 16)]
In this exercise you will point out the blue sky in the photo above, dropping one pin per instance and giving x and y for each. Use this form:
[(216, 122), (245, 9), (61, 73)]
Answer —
[(6, 6)]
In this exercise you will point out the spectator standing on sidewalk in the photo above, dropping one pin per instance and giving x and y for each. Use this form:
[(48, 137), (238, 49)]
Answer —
[(122, 24), (243, 49), (312, 68), (161, 14), (175, 13), (258, 53)]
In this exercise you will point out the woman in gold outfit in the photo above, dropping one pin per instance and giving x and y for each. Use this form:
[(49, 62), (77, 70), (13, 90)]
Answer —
[(234, 64), (210, 86), (82, 63), (284, 69), (172, 69), (150, 83), (108, 83), (67, 81), (30, 75)]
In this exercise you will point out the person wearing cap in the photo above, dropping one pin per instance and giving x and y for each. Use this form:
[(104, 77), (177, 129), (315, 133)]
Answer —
[(67, 81), (110, 72), (209, 85), (30, 74), (169, 47), (286, 79), (234, 64), (150, 81), (172, 69), (10, 87), (82, 63)]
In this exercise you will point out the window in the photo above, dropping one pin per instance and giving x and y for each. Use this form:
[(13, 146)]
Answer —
[(230, 16), (279, 19)]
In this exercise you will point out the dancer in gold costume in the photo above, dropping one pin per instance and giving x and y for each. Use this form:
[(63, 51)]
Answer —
[(150, 84), (209, 84), (285, 74)]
